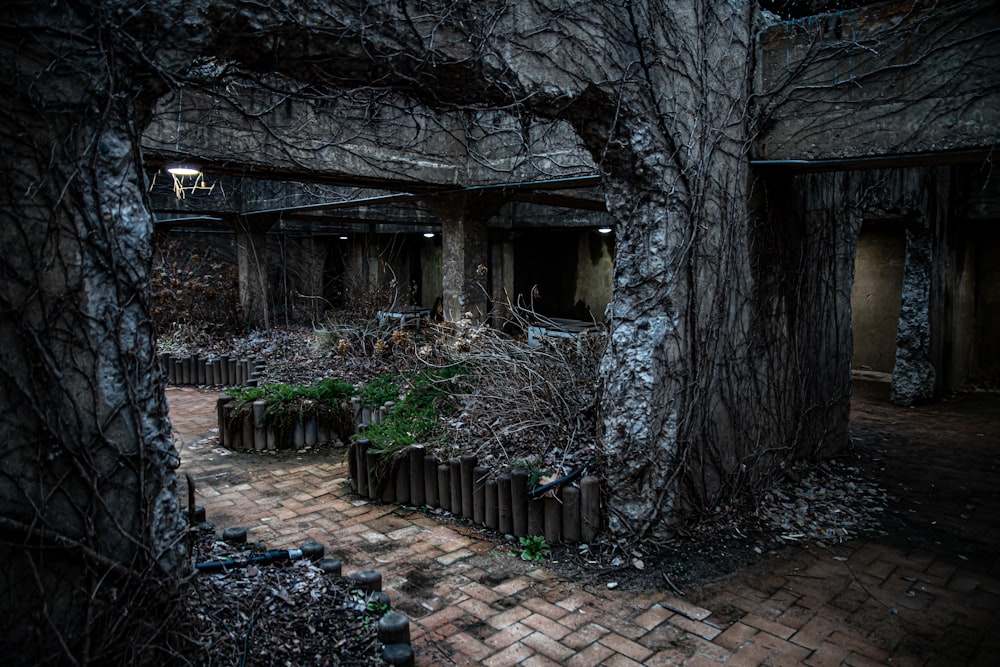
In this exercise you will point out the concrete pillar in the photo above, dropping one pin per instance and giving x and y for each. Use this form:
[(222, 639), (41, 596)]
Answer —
[(501, 279), (465, 253), (913, 374)]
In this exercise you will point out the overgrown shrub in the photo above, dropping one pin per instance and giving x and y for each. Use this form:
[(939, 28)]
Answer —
[(193, 290)]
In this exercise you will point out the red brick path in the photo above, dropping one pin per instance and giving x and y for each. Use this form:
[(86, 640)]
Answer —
[(471, 603)]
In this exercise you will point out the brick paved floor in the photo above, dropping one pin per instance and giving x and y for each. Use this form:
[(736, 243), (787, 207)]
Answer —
[(867, 602)]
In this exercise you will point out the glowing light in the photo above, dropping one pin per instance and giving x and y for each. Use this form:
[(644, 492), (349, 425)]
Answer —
[(428, 235), (604, 230), (181, 170)]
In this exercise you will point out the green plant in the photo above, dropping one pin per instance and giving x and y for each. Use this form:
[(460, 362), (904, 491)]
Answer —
[(533, 548), (384, 388), (534, 470), (288, 402), (378, 608), (414, 418)]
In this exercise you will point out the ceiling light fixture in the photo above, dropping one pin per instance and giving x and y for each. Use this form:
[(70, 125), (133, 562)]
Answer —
[(428, 235), (183, 170), (604, 230)]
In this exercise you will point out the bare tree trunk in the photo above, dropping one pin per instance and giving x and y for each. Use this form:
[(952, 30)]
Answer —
[(88, 517)]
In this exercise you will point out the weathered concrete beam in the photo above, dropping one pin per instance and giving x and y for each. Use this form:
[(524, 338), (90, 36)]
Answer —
[(376, 140), (350, 138), (895, 78)]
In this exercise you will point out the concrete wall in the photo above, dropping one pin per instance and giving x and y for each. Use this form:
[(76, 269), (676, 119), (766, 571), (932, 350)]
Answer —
[(878, 279), (430, 271), (570, 271), (887, 79), (986, 350), (595, 263)]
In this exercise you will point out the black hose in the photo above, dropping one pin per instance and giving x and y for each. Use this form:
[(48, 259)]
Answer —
[(539, 491)]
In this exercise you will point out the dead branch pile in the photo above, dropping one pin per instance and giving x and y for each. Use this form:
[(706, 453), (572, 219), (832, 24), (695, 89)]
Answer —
[(528, 406)]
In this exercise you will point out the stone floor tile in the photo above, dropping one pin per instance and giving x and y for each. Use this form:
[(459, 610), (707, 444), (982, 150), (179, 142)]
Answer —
[(503, 619), (749, 654), (511, 655), (685, 608), (577, 619), (586, 635), (548, 646), (508, 635), (470, 646), (595, 654), (539, 660), (827, 655), (652, 617), (551, 628), (477, 608), (773, 627), (735, 636), (703, 630), (540, 606), (619, 660), (625, 646)]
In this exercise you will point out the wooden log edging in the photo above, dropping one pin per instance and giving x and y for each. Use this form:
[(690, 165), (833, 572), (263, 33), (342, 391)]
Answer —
[(569, 514), (222, 371)]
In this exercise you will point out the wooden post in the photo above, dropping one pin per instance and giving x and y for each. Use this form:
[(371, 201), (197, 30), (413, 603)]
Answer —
[(416, 455), (519, 502), (388, 488), (310, 428), (259, 432), (553, 519), (590, 508), (492, 517), (234, 428), (369, 581), (455, 489), (504, 515), (394, 628), (468, 464), (371, 463), (536, 517), (352, 467), (361, 448), (571, 514), (444, 486), (220, 415), (479, 474), (248, 431), (430, 481), (402, 475)]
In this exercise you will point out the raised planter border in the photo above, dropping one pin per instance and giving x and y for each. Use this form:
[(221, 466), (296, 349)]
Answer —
[(221, 371)]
